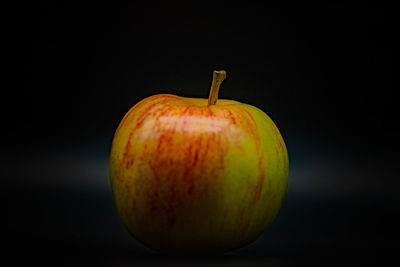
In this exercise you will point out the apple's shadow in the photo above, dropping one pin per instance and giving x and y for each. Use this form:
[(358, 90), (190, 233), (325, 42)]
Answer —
[(230, 259)]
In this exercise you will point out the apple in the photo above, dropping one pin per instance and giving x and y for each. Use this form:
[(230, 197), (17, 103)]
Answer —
[(194, 175)]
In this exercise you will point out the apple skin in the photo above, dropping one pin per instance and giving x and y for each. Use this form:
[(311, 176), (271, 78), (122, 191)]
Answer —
[(192, 178)]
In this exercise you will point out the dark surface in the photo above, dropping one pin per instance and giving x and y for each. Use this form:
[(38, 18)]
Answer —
[(67, 214), (323, 73)]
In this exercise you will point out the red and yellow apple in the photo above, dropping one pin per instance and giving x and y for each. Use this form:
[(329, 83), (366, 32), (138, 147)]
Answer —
[(196, 175)]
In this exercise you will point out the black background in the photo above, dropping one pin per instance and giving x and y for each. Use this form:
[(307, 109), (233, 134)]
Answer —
[(323, 73)]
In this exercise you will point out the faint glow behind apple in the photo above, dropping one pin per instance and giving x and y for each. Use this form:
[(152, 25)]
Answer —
[(86, 168)]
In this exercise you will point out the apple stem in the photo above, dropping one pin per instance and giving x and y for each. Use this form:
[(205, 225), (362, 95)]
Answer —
[(218, 78)]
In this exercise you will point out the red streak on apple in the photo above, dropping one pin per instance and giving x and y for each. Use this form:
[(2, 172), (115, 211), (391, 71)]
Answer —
[(261, 160)]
